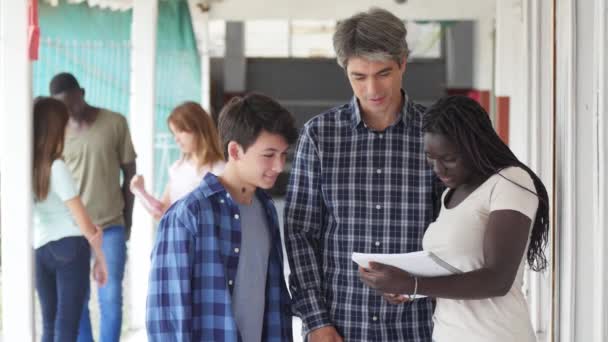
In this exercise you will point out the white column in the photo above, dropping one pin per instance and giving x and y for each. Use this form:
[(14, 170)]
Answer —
[(15, 172), (584, 162), (205, 64), (539, 82), (510, 66), (142, 117), (600, 313), (483, 53), (565, 172)]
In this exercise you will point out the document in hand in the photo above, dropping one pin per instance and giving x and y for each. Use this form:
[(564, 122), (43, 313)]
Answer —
[(421, 264)]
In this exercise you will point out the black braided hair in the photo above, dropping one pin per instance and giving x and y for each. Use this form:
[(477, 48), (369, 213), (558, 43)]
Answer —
[(467, 124)]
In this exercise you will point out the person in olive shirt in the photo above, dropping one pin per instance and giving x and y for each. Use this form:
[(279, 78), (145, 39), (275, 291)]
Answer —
[(97, 148)]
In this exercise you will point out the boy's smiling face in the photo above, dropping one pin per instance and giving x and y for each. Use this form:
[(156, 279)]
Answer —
[(263, 161)]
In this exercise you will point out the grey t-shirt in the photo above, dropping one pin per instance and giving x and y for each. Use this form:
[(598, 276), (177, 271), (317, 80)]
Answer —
[(249, 295)]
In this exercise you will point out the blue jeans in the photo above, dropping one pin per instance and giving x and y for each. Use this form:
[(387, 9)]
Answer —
[(62, 282), (110, 295)]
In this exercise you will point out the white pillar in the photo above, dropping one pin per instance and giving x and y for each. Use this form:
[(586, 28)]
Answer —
[(205, 63), (15, 171), (600, 293), (206, 82), (539, 118), (483, 53), (565, 172), (142, 117), (510, 66)]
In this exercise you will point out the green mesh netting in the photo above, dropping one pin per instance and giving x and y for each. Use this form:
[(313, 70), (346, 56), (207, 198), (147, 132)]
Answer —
[(94, 45)]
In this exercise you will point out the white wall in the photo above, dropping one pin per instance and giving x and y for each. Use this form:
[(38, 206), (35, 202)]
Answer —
[(483, 53)]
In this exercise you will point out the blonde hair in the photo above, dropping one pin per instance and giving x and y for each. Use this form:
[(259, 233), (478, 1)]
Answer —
[(50, 120), (192, 118)]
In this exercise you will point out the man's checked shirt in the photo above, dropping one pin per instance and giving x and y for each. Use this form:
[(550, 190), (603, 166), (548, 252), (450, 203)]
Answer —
[(194, 264), (356, 190)]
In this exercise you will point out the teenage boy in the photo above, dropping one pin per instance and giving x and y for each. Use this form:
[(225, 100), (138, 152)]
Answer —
[(217, 264)]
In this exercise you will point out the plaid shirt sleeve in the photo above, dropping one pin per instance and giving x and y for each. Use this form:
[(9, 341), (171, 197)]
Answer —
[(303, 229), (169, 303)]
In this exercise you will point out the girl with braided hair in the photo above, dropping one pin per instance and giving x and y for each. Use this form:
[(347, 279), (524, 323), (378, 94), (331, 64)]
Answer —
[(494, 218)]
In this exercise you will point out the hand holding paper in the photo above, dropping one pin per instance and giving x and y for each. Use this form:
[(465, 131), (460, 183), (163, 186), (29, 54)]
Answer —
[(387, 279), (395, 273), (421, 264)]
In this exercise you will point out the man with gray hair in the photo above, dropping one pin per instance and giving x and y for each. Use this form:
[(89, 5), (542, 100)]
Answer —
[(360, 183)]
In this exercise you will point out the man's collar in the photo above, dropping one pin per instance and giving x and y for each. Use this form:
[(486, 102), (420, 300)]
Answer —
[(357, 120)]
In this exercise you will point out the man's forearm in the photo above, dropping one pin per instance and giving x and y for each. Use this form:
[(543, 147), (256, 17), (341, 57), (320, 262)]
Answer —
[(128, 209)]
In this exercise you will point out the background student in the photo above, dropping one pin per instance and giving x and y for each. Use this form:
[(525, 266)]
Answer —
[(198, 141), (64, 234)]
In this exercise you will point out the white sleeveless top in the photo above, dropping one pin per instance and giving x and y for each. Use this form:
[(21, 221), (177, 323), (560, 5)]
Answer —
[(184, 177)]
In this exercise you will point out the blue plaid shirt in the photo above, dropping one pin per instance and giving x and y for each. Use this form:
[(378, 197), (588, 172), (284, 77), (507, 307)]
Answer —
[(194, 264), (356, 190)]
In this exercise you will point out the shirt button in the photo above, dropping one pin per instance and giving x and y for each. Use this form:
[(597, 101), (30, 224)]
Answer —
[(380, 136), (221, 201), (236, 216), (378, 207), (236, 250), (377, 243), (379, 171), (375, 318), (230, 282)]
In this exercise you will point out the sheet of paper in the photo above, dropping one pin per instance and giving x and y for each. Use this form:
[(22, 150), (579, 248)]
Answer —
[(421, 264)]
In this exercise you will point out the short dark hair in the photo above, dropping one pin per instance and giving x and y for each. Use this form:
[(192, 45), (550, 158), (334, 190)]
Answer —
[(243, 119), (63, 82)]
